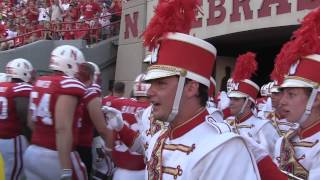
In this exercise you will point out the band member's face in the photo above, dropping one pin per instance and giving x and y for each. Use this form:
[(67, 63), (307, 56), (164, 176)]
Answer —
[(236, 105), (162, 93), (293, 103)]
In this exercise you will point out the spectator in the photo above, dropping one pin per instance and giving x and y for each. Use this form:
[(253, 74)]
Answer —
[(32, 11), (116, 9), (81, 30), (44, 12), (47, 34), (104, 20), (65, 5), (56, 11), (95, 30), (11, 33), (74, 11), (56, 34), (67, 34), (22, 25), (90, 9), (19, 41)]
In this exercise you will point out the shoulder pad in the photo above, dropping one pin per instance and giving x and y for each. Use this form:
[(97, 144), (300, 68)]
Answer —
[(220, 126)]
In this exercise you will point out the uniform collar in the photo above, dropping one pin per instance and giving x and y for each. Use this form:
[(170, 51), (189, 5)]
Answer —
[(186, 126), (309, 131), (244, 117)]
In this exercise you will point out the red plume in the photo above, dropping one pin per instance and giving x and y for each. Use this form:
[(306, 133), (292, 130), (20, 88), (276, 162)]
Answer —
[(277, 76), (245, 67), (305, 41), (170, 16)]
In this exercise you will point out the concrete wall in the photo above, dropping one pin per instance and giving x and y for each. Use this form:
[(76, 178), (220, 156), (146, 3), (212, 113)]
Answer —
[(131, 52), (38, 53)]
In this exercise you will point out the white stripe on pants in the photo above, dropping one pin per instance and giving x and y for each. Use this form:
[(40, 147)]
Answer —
[(12, 151)]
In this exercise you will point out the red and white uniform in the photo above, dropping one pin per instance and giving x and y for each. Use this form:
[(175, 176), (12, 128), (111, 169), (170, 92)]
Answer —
[(307, 149), (106, 101), (86, 130), (261, 130), (281, 124), (43, 99), (199, 149), (150, 126), (12, 142), (130, 164)]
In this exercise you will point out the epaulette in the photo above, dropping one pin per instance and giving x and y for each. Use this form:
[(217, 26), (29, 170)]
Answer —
[(220, 126)]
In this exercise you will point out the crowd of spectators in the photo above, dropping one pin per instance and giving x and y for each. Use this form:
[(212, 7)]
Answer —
[(26, 21)]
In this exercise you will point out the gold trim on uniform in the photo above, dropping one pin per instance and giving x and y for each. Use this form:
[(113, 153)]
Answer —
[(305, 144), (180, 71), (287, 124), (180, 147), (287, 160), (154, 166), (272, 116), (175, 172)]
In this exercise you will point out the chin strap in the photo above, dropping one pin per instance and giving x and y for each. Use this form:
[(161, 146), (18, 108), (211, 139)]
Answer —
[(309, 105), (176, 103), (243, 106)]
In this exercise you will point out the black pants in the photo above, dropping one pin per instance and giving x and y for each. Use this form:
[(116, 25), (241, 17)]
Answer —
[(86, 157)]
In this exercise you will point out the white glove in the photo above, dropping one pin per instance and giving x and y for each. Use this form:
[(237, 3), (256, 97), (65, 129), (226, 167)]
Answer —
[(258, 151), (114, 118)]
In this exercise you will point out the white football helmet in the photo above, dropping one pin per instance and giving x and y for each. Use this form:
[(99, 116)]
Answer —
[(97, 72), (20, 69), (140, 88), (4, 77), (66, 59), (230, 84), (265, 90)]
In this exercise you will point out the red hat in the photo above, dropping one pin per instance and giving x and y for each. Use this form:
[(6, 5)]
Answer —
[(181, 54), (212, 88), (299, 58), (175, 52), (304, 73), (242, 86)]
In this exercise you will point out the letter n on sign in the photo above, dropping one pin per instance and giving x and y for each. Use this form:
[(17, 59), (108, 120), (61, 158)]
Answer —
[(131, 25)]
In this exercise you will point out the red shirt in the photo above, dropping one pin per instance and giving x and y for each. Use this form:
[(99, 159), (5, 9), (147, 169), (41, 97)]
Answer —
[(86, 129), (33, 16), (75, 13), (128, 108), (10, 125), (2, 28), (90, 9), (43, 99), (106, 101)]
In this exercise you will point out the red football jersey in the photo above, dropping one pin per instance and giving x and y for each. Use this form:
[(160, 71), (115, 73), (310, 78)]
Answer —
[(106, 101), (121, 156), (10, 125), (43, 99), (86, 130)]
